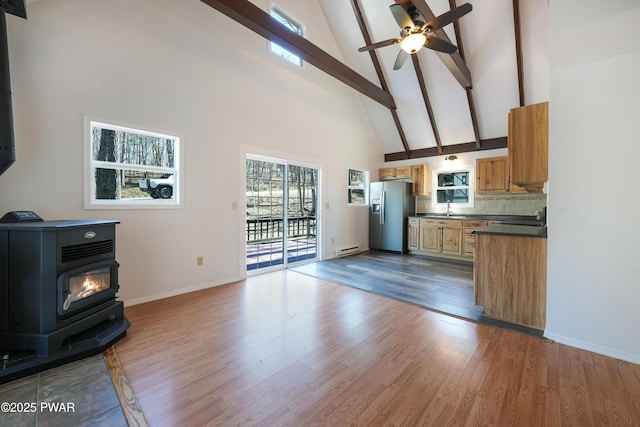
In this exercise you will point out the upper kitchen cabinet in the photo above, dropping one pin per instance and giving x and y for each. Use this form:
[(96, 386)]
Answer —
[(492, 175), (529, 145), (420, 180), (402, 172), (418, 174)]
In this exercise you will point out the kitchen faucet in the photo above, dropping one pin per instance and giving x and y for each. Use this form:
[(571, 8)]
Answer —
[(448, 207)]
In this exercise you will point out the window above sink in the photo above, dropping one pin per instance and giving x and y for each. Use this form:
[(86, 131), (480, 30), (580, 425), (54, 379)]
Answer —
[(453, 187)]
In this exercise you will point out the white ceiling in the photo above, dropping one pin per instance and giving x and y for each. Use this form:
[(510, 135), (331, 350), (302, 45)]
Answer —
[(488, 38)]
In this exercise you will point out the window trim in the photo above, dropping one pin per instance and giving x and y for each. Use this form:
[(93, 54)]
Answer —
[(274, 8), (364, 187), (470, 186), (91, 203)]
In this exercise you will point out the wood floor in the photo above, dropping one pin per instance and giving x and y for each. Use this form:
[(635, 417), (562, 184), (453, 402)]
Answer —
[(441, 285), (445, 286), (285, 348)]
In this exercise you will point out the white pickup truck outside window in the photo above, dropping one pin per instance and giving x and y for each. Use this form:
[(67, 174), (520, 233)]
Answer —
[(131, 167)]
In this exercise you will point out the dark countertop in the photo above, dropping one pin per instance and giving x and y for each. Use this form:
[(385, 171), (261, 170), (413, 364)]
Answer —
[(528, 220), (513, 230)]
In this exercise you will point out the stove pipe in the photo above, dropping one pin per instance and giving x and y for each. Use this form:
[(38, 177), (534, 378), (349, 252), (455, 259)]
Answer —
[(7, 144)]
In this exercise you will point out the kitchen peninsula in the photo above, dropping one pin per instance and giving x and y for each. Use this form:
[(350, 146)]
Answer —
[(510, 273)]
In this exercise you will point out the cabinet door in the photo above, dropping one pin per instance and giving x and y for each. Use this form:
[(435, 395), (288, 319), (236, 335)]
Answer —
[(403, 172), (492, 175), (386, 173), (452, 241), (413, 235), (420, 180), (528, 144), (430, 238)]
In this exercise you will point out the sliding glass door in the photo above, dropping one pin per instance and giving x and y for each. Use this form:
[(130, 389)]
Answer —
[(281, 221), (302, 189)]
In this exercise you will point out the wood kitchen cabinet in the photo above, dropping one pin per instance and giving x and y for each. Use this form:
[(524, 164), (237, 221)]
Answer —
[(420, 180), (510, 278), (469, 239), (528, 145), (402, 172), (386, 173), (492, 176), (441, 235), (413, 235)]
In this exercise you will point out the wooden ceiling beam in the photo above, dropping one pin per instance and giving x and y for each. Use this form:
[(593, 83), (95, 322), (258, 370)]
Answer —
[(427, 102), (468, 90), (260, 22), (454, 62), (378, 67), (486, 144), (516, 23)]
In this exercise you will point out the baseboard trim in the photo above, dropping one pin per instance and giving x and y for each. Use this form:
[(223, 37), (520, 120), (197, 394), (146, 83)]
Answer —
[(605, 351), (169, 294)]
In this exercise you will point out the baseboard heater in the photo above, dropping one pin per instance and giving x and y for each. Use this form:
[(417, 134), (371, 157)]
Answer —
[(347, 251)]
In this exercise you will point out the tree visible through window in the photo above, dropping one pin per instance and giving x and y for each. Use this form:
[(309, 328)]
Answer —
[(357, 187), (132, 166)]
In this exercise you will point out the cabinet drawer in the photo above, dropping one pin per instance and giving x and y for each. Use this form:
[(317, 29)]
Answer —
[(475, 224), (414, 221), (470, 240), (453, 223)]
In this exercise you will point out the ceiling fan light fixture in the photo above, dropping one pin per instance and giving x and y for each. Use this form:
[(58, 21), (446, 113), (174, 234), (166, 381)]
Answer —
[(413, 42)]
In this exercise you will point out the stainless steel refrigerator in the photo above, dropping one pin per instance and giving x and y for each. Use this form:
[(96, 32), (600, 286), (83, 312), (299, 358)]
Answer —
[(391, 203)]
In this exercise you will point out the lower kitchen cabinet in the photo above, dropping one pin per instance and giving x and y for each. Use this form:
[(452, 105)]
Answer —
[(510, 278), (441, 236), (469, 239), (413, 235), (447, 238)]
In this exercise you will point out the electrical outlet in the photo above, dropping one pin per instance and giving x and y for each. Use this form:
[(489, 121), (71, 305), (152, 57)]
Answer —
[(200, 260)]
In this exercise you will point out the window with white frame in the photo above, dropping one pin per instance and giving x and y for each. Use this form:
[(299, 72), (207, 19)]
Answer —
[(453, 187), (358, 188), (131, 167), (293, 26)]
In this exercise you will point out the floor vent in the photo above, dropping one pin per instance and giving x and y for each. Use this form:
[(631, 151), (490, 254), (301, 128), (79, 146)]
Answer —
[(347, 251)]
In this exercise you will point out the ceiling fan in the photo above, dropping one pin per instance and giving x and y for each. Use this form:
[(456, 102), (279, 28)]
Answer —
[(416, 34)]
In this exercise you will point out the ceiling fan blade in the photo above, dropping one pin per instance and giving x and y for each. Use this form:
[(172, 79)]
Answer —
[(379, 44), (401, 16), (448, 17), (400, 59), (440, 45)]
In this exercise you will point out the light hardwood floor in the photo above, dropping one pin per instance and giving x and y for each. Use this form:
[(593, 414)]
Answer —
[(285, 348)]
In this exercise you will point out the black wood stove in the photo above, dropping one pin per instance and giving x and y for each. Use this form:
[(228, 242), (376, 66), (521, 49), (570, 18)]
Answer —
[(58, 285)]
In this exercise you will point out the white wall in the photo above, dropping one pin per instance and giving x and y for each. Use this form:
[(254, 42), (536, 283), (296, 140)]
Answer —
[(593, 274), (181, 67)]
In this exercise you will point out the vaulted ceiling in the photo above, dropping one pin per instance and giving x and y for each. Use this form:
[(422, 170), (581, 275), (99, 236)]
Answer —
[(436, 103)]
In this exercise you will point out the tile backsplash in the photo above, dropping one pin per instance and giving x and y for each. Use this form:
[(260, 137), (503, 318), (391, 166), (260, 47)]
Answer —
[(492, 204)]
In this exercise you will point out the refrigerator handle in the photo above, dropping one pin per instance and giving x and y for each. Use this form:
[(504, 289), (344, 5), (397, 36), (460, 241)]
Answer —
[(382, 197)]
